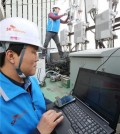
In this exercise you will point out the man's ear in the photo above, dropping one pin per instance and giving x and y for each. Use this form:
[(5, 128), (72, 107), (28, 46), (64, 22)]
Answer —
[(10, 56)]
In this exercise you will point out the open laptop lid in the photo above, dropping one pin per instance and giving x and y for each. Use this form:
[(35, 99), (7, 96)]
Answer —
[(101, 92)]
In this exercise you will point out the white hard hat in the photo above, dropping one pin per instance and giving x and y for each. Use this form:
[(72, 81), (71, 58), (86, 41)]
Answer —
[(56, 6), (19, 30)]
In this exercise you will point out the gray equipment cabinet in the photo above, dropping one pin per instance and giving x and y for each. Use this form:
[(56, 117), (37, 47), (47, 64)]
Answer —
[(92, 59)]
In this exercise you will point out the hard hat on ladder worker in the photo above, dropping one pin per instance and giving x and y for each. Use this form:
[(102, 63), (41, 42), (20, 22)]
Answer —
[(56, 6), (21, 32)]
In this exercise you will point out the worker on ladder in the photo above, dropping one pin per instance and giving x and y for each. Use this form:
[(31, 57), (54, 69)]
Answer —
[(53, 26)]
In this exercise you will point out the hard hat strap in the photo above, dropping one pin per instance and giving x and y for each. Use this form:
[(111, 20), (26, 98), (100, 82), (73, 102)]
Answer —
[(20, 62), (22, 54)]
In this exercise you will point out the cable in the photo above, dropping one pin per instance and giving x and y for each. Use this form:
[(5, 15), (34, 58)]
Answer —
[(101, 44), (85, 12), (92, 16), (107, 59), (92, 31), (50, 71), (117, 29)]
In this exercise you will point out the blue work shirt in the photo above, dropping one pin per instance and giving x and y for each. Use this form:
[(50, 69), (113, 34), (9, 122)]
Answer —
[(20, 112), (53, 25)]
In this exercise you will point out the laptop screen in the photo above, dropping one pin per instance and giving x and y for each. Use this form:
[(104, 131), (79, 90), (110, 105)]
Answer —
[(101, 92)]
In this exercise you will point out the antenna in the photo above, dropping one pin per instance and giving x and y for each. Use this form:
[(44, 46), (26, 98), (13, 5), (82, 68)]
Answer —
[(64, 37), (80, 34), (104, 26)]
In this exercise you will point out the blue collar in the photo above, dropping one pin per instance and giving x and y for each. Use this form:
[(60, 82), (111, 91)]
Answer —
[(24, 85), (9, 89)]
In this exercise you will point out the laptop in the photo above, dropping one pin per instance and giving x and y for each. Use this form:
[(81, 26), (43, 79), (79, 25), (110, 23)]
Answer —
[(97, 106)]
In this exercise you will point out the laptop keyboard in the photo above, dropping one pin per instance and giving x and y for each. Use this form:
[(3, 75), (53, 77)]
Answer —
[(81, 122)]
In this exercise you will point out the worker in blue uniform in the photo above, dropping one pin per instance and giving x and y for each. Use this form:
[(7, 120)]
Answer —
[(53, 26), (22, 104)]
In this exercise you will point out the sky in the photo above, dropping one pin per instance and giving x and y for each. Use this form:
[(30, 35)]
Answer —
[(102, 6)]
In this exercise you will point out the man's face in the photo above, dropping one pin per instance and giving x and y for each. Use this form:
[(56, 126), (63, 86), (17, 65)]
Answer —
[(29, 62), (57, 10)]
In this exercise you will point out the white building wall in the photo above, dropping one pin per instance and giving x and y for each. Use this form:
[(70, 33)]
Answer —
[(2, 15)]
